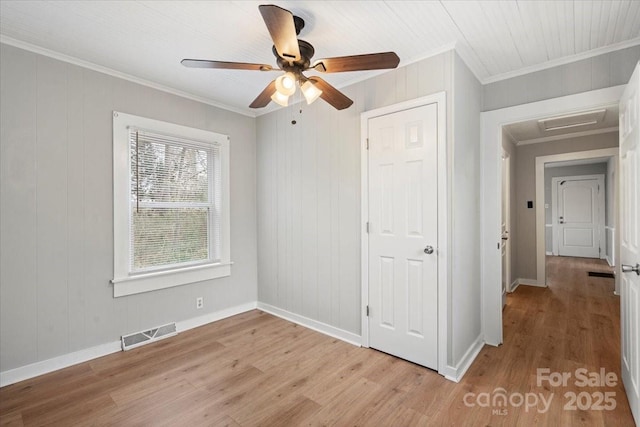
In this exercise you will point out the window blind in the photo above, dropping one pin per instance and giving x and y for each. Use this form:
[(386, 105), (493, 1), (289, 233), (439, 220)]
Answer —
[(175, 201)]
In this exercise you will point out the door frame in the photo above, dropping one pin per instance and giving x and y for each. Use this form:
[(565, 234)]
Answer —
[(490, 192), (440, 99), (555, 239), (612, 153), (506, 194)]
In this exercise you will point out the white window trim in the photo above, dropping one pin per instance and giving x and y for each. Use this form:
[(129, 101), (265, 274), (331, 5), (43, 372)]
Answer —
[(125, 283)]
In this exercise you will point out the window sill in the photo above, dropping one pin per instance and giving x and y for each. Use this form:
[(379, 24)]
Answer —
[(140, 283)]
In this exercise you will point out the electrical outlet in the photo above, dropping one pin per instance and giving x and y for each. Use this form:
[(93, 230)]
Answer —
[(199, 302)]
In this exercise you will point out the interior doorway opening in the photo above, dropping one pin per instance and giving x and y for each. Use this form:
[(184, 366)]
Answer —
[(494, 124), (576, 145), (606, 160)]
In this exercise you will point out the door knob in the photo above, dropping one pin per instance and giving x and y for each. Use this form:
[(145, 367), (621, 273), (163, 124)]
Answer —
[(628, 268), (428, 250)]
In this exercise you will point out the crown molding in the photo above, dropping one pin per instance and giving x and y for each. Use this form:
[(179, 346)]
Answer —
[(111, 72), (561, 61), (467, 56)]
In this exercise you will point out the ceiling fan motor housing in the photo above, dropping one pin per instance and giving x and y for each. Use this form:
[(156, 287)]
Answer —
[(306, 53)]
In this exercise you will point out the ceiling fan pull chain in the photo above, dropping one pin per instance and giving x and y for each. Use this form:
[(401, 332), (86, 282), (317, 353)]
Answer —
[(299, 101)]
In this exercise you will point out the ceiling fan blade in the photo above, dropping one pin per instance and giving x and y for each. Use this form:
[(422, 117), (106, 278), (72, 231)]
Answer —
[(203, 63), (265, 96), (331, 95), (282, 28), (371, 61)]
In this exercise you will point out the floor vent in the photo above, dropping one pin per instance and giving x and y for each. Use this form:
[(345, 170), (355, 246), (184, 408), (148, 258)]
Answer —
[(145, 337), (601, 274)]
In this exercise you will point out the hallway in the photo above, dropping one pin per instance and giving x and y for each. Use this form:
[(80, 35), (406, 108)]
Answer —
[(572, 324)]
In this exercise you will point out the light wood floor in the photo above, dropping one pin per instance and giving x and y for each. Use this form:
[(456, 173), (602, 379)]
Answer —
[(256, 369)]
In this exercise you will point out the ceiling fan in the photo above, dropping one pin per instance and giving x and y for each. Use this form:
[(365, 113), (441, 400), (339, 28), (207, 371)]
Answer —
[(294, 57)]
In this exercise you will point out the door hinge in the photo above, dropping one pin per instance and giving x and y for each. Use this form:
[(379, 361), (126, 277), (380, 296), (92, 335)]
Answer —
[(367, 311), (367, 228), (367, 143)]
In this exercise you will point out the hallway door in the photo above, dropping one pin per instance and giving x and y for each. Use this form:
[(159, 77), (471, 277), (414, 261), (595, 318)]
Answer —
[(580, 215), (630, 240)]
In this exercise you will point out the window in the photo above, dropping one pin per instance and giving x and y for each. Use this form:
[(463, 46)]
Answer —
[(171, 205)]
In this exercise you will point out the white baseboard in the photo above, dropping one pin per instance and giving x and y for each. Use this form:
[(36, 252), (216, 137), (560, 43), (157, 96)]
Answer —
[(22, 373), (448, 372), (514, 285), (609, 261), (44, 367), (531, 282), (456, 374), (549, 253), (194, 322), (317, 326)]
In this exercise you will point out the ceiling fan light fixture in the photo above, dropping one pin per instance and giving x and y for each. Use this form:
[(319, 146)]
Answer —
[(293, 57), (280, 98), (286, 84), (310, 91)]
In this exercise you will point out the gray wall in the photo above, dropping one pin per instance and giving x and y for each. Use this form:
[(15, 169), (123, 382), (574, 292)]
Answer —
[(57, 209), (309, 198), (465, 210), (576, 170), (309, 195), (606, 70), (526, 190)]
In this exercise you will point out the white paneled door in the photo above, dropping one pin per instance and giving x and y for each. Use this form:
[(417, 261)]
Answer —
[(580, 215), (403, 206), (630, 240)]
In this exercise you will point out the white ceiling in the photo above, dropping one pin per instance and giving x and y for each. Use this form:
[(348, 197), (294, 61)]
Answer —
[(145, 40)]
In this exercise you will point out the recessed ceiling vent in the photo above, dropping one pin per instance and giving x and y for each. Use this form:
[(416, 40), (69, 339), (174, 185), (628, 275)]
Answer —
[(585, 118), (145, 337)]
